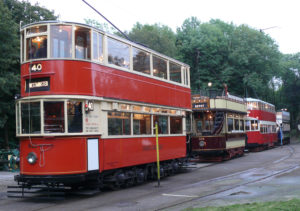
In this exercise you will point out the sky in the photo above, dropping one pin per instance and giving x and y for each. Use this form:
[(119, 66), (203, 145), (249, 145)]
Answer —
[(277, 18)]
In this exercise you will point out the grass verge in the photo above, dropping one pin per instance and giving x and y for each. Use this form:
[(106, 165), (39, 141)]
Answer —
[(290, 205)]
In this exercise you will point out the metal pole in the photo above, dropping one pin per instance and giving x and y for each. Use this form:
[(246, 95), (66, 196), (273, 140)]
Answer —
[(157, 154), (281, 134)]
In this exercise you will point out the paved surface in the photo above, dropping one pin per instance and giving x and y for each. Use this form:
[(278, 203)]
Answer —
[(261, 176)]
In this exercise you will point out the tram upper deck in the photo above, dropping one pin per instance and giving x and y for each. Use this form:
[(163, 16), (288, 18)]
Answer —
[(63, 58)]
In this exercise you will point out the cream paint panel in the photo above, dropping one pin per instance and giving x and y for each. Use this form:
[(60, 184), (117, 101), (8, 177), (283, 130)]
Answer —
[(227, 104), (235, 143), (92, 119)]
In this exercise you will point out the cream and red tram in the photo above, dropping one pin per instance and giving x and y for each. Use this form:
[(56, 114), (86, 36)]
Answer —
[(218, 126), (260, 124), (89, 102)]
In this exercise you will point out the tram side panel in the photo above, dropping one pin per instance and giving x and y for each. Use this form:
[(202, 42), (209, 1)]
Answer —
[(83, 78), (119, 153)]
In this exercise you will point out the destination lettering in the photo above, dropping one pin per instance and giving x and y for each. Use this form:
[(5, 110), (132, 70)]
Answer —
[(38, 84)]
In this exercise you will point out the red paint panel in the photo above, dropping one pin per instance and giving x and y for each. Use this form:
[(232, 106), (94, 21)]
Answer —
[(255, 137), (263, 115), (135, 151), (66, 156), (85, 78), (211, 142)]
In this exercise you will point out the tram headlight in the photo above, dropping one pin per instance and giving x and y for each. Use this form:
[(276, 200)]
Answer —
[(202, 143), (31, 158)]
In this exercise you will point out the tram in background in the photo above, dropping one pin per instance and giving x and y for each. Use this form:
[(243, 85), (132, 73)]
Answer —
[(260, 125), (283, 126), (218, 126), (89, 103)]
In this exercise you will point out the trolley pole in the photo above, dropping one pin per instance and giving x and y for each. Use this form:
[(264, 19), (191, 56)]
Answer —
[(157, 155)]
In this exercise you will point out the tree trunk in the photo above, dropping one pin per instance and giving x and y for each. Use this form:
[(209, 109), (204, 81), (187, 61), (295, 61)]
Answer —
[(6, 145)]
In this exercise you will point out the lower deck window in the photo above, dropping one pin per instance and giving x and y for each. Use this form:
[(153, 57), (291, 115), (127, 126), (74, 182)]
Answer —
[(54, 121), (176, 125), (74, 117), (31, 117), (230, 124), (236, 124), (118, 123), (141, 124), (162, 122)]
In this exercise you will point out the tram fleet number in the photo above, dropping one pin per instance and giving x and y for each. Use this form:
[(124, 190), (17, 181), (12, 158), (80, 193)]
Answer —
[(37, 67)]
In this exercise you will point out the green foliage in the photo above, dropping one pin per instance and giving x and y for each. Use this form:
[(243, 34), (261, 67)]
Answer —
[(218, 52), (288, 93), (102, 26), (293, 204), (11, 13), (9, 74), (157, 37), (27, 13)]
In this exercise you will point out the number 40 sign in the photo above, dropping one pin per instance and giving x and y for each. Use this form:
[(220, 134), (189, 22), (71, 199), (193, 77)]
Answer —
[(37, 67)]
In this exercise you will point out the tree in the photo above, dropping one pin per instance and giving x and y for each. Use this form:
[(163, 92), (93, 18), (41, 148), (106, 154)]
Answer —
[(157, 37), (9, 75), (23, 11), (219, 52), (102, 26), (11, 13), (289, 91)]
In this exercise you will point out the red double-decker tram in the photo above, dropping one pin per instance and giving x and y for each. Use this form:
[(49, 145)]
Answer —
[(89, 102), (260, 125)]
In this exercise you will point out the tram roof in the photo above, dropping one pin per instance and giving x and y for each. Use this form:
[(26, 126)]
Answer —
[(257, 100), (106, 33)]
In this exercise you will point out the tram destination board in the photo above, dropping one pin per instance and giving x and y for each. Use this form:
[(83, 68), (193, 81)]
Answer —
[(38, 84), (201, 105)]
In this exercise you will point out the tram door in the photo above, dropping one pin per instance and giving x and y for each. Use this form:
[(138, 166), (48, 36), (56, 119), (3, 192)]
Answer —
[(93, 154)]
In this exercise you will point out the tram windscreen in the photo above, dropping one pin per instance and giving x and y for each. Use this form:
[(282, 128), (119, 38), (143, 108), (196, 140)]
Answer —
[(54, 121), (31, 117)]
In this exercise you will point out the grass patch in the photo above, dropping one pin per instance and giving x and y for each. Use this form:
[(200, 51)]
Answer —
[(290, 205)]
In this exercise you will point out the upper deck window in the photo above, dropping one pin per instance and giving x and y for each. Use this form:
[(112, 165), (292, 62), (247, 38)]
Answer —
[(118, 53), (36, 47), (36, 30), (98, 47), (175, 72), (141, 61), (61, 41), (82, 43), (159, 67)]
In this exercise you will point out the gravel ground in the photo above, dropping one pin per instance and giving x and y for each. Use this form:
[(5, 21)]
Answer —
[(6, 178)]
